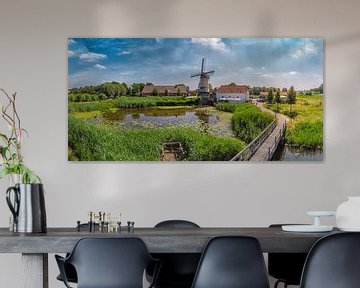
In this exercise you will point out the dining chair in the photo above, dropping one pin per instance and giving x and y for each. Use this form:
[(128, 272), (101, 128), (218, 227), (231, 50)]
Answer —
[(178, 269), (108, 263), (333, 262), (232, 262), (286, 267), (70, 271)]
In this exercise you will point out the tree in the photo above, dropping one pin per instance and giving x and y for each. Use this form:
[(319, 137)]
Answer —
[(136, 88), (270, 97), (291, 98), (166, 92), (277, 100), (178, 92), (321, 89), (284, 89), (232, 84), (127, 88), (155, 92), (112, 89), (256, 90)]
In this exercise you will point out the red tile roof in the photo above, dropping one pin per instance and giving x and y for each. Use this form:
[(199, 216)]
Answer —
[(232, 89)]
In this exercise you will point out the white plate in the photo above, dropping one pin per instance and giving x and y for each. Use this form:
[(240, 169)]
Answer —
[(306, 228), (321, 213)]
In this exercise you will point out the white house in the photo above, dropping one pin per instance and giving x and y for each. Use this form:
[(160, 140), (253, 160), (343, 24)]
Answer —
[(232, 93)]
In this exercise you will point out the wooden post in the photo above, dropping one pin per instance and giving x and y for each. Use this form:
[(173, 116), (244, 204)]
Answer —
[(35, 270)]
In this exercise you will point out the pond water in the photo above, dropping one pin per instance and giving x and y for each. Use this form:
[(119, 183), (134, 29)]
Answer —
[(205, 119), (287, 153)]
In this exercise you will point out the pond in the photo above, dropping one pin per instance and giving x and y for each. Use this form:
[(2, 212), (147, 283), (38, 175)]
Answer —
[(288, 153), (204, 119)]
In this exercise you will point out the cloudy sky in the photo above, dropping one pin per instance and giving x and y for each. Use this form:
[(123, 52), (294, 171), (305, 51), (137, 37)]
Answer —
[(279, 62)]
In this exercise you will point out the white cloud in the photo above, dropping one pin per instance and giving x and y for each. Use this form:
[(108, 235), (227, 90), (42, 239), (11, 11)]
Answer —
[(307, 48), (293, 73), (92, 57), (124, 52), (310, 48), (267, 75), (71, 41), (71, 54), (213, 43), (100, 67)]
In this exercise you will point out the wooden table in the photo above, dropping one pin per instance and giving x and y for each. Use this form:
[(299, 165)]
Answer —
[(35, 247)]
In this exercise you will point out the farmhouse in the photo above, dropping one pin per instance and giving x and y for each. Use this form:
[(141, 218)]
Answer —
[(232, 93), (165, 90)]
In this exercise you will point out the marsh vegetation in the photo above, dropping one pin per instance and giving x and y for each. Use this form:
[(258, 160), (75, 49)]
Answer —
[(305, 130)]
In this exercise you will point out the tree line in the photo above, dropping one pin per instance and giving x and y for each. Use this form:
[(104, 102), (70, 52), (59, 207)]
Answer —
[(256, 90), (110, 90)]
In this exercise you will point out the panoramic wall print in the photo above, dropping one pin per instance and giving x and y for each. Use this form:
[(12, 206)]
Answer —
[(195, 99)]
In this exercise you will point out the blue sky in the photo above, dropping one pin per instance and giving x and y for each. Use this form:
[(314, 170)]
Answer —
[(279, 62)]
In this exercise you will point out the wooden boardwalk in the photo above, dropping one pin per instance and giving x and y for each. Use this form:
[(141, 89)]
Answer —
[(263, 147), (267, 149)]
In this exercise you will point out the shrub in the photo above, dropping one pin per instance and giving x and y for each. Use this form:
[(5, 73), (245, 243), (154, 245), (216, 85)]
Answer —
[(95, 142), (226, 107), (249, 121), (306, 134)]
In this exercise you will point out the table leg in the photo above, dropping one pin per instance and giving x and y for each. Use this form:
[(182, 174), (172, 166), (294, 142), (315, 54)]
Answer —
[(35, 270)]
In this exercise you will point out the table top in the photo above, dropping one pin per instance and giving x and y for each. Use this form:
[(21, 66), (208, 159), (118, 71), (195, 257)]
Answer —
[(158, 240)]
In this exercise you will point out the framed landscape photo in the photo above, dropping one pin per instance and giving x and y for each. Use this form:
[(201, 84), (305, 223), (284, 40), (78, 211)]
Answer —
[(195, 99)]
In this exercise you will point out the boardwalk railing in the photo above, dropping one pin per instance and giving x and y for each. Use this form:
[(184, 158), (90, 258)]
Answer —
[(278, 139), (249, 150)]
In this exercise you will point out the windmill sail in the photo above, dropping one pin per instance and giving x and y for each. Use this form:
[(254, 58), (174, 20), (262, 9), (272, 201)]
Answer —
[(203, 87)]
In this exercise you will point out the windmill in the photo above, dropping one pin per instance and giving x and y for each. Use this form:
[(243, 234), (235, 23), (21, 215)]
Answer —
[(203, 87)]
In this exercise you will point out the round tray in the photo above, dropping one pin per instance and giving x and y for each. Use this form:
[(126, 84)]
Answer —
[(306, 228)]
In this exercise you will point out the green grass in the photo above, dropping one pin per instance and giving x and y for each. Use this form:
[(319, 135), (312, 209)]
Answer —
[(91, 106), (83, 97), (306, 128), (149, 101), (95, 142), (306, 134), (226, 106), (132, 102), (248, 121)]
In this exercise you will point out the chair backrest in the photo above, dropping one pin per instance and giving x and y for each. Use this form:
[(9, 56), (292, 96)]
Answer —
[(333, 262), (176, 224), (232, 262), (177, 269), (110, 262)]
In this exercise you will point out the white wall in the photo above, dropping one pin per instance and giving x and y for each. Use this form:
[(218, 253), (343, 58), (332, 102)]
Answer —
[(33, 62), (242, 96)]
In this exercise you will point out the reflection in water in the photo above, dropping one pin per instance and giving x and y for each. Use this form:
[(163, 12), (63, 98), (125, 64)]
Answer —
[(203, 119), (287, 153), (136, 117)]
